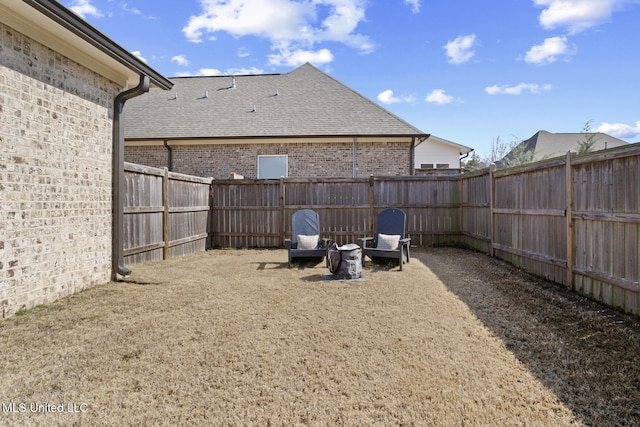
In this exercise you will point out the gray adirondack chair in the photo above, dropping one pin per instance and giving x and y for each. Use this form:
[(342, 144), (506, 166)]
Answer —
[(305, 241), (390, 227)]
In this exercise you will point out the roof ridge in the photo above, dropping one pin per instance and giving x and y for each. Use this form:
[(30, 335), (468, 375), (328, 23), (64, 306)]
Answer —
[(309, 65)]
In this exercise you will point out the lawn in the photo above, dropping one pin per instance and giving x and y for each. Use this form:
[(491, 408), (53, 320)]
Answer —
[(234, 337)]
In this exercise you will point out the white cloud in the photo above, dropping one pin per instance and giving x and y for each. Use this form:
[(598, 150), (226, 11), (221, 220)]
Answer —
[(299, 57), (415, 5), (215, 72), (518, 89), (460, 50), (243, 52), (208, 72), (274, 19), (202, 72), (576, 15), (387, 97), (133, 10), (180, 60), (339, 26), (620, 130), (244, 71), (138, 55), (439, 96), (291, 25), (84, 8), (549, 51)]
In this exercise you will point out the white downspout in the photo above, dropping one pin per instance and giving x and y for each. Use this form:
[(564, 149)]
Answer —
[(355, 157)]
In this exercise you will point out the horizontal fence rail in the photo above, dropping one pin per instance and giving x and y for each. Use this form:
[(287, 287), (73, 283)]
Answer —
[(574, 220), (166, 214), (257, 213)]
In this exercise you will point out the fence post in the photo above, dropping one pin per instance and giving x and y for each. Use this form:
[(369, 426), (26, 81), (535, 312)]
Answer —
[(210, 223), (569, 219), (282, 211), (165, 214), (492, 168)]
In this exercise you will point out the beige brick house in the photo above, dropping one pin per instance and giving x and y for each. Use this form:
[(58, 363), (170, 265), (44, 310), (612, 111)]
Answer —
[(303, 123), (63, 85)]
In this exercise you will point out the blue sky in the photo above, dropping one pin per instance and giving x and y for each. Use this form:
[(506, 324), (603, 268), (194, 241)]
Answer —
[(469, 71)]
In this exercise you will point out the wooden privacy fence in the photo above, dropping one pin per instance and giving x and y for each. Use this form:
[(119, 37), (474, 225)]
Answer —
[(257, 213), (574, 220), (169, 214), (165, 214)]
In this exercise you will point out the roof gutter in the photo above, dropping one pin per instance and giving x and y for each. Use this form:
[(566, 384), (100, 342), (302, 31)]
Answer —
[(117, 173), (419, 136), (466, 154), (412, 152)]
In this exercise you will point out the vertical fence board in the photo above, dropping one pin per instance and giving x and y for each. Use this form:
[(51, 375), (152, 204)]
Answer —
[(166, 214), (143, 214)]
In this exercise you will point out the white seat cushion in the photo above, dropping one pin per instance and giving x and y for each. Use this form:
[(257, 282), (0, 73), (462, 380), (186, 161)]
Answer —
[(388, 241), (307, 242)]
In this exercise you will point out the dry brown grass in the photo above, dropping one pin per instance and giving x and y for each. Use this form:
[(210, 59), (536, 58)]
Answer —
[(233, 337)]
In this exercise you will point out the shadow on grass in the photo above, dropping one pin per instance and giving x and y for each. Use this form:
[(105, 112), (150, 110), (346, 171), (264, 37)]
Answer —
[(587, 354), (298, 264), (313, 278), (270, 265), (139, 282), (382, 264), (302, 263)]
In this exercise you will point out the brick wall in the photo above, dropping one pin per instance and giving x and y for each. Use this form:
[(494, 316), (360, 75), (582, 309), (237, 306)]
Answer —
[(305, 159), (154, 156), (55, 174)]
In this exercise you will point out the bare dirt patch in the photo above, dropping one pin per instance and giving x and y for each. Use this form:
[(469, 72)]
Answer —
[(233, 337)]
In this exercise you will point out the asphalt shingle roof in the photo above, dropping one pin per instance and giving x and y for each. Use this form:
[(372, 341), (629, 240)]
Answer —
[(545, 145), (303, 102)]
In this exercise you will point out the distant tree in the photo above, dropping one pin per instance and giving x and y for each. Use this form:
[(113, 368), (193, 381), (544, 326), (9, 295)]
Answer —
[(474, 162), (587, 143), (499, 149), (517, 156)]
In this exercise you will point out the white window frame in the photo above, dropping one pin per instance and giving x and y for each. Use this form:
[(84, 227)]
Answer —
[(266, 156)]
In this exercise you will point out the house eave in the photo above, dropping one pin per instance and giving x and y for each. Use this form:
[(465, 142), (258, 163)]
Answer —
[(58, 27), (347, 138), (463, 148)]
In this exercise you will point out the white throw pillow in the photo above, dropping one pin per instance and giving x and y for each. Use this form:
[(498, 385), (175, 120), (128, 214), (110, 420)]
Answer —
[(307, 242), (388, 241)]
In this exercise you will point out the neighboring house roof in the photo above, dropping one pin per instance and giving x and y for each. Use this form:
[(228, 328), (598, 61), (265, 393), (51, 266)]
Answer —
[(463, 149), (302, 103), (546, 145), (57, 27)]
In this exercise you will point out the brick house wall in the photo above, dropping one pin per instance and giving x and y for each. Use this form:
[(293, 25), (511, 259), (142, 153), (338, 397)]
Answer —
[(305, 160), (156, 156), (55, 174)]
